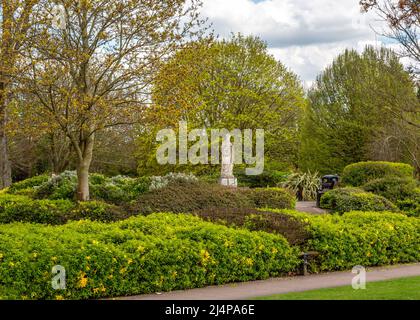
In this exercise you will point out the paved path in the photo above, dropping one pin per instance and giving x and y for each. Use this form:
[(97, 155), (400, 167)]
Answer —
[(249, 290), (309, 207)]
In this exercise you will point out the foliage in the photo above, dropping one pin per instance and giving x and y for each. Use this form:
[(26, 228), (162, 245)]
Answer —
[(232, 83), (161, 182), (304, 184), (161, 252), (350, 199), (116, 190), (185, 197), (275, 198), (358, 174), (355, 113), (393, 188), (362, 238), (291, 228), (268, 179), (411, 204), (23, 209), (36, 181)]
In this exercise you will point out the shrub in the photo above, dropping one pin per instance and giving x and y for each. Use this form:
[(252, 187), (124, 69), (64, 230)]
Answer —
[(161, 252), (275, 198), (362, 238), (116, 190), (358, 174), (161, 182), (350, 199), (30, 183), (23, 209), (411, 205), (61, 186), (392, 188), (268, 179), (304, 185), (186, 197), (291, 228)]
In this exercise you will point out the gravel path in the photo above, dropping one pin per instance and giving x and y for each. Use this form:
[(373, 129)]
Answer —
[(309, 207)]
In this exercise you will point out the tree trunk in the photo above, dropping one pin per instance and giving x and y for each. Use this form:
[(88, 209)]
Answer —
[(83, 166), (5, 168), (83, 182)]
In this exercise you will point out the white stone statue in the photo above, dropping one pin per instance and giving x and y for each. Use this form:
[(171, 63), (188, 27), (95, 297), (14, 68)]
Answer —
[(226, 177)]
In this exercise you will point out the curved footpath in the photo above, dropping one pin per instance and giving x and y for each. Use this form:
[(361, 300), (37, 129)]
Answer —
[(254, 289)]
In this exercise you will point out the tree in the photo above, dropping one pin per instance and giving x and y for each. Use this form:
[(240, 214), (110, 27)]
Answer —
[(232, 84), (356, 111), (403, 19), (94, 72), (16, 20)]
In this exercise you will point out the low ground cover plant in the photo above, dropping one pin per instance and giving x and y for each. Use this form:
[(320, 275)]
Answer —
[(160, 252)]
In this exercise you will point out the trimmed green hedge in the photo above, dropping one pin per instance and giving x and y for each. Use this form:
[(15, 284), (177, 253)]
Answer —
[(361, 238), (358, 174), (393, 188), (185, 197), (160, 252), (15, 208), (343, 200)]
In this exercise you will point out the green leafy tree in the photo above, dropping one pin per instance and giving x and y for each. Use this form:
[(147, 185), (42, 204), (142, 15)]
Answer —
[(358, 110), (229, 84)]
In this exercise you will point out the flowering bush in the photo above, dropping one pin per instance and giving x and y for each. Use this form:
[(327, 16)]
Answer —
[(157, 253), (161, 182)]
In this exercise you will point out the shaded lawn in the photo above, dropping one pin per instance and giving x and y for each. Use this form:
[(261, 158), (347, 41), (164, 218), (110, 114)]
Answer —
[(400, 289)]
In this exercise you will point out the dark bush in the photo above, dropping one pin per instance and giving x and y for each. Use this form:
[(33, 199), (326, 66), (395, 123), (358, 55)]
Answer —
[(268, 179), (351, 199), (274, 198), (185, 197), (290, 227), (392, 188), (358, 174)]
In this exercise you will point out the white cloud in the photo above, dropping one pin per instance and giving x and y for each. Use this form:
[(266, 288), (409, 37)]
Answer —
[(305, 35)]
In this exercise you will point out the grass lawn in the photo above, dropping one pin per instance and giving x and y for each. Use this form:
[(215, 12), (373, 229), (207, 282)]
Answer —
[(400, 289)]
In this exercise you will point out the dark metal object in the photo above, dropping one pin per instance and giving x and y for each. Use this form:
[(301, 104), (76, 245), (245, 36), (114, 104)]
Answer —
[(328, 182), (306, 256)]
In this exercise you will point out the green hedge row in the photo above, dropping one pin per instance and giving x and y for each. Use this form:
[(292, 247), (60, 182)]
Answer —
[(361, 238), (349, 199), (160, 252), (24, 209), (358, 174), (186, 197)]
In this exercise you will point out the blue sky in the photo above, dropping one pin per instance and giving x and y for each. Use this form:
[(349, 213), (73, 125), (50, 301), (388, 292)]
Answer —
[(305, 35)]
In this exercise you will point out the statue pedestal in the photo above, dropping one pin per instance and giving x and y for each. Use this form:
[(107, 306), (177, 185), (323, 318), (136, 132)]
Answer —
[(229, 181)]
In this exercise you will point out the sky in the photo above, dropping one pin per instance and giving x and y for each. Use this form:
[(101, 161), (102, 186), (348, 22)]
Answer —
[(305, 35)]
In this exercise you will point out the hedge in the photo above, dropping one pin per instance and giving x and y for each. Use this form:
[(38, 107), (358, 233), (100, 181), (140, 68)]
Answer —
[(343, 200), (15, 208), (361, 238), (358, 174), (393, 188), (160, 252), (186, 197)]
